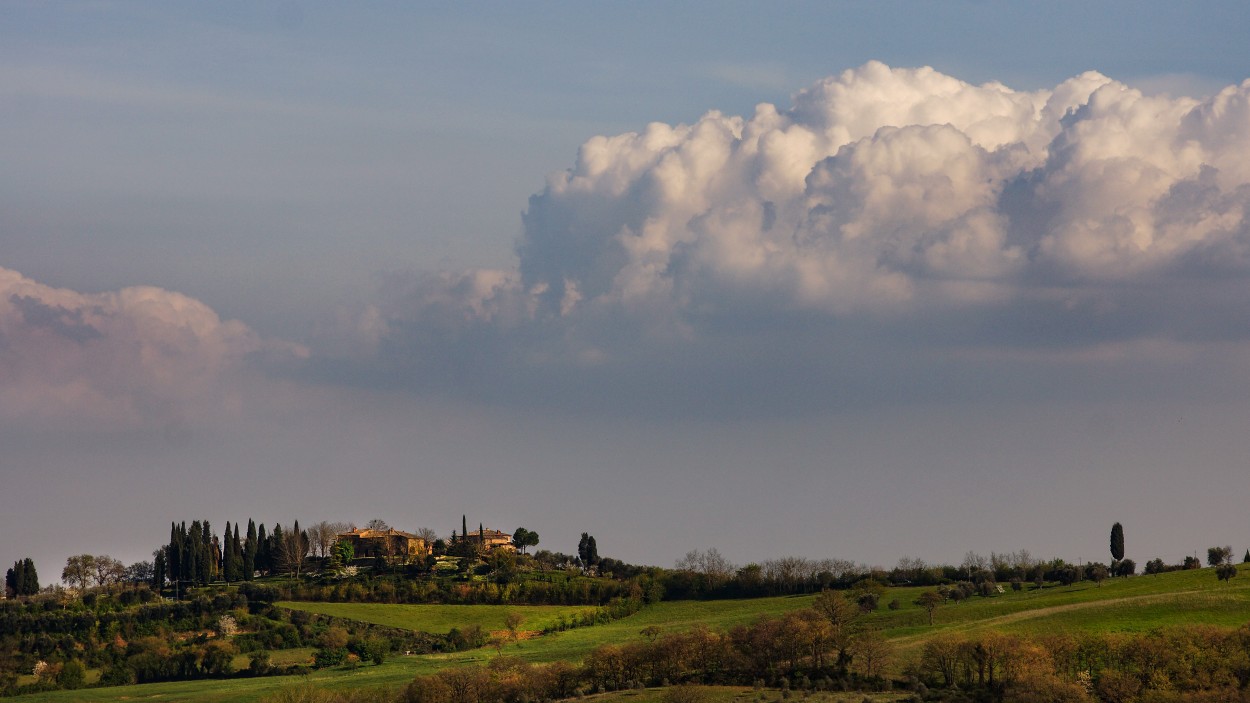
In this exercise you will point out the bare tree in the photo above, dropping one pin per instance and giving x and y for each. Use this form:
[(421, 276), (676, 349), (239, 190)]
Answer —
[(323, 534), (108, 571), (973, 563), (290, 551), (377, 524), (715, 568), (426, 534)]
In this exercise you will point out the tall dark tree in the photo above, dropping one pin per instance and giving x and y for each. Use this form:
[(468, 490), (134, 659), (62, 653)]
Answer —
[(262, 550), (190, 552), (1117, 542), (30, 578), (236, 553), (196, 565), (464, 528), (211, 570), (273, 549), (228, 572), (22, 580), (249, 551), (173, 557), (231, 561), (159, 567), (587, 551)]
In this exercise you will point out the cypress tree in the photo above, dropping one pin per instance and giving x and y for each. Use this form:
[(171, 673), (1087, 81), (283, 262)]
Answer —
[(187, 554), (195, 552), (30, 579), (14, 578), (212, 555), (227, 559), (173, 556), (229, 567), (1117, 542), (159, 566), (273, 547), (249, 551), (262, 550), (464, 528), (236, 553)]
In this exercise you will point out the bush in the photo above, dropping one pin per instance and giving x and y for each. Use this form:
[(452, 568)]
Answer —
[(72, 675), (118, 674), (373, 649), (329, 656), (260, 664)]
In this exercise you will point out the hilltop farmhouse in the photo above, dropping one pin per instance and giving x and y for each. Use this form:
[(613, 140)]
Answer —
[(493, 539), (389, 543), (397, 545)]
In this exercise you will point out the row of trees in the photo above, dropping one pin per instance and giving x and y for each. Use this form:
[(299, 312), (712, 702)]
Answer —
[(1182, 663), (22, 579), (84, 571), (195, 556)]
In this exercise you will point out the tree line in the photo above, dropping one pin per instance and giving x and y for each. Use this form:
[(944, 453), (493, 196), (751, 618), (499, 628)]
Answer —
[(22, 579)]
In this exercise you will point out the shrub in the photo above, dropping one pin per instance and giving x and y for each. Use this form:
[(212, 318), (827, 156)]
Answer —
[(329, 656), (72, 675), (259, 663)]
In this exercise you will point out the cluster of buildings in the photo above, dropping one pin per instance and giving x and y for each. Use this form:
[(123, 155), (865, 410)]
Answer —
[(393, 544)]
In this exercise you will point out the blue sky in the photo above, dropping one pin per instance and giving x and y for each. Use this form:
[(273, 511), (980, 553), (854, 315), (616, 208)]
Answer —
[(277, 244)]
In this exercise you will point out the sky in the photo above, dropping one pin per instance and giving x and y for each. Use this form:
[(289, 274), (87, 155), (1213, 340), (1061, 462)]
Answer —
[(862, 280)]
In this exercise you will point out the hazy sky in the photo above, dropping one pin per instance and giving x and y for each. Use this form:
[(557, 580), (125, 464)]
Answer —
[(861, 280)]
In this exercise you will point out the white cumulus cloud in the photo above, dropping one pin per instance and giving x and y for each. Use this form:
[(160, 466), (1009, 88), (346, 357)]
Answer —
[(885, 200)]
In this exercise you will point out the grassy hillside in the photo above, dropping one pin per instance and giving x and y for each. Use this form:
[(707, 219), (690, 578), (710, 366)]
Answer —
[(1135, 604), (440, 619)]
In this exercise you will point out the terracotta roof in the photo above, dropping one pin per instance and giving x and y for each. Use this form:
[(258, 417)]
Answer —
[(363, 533)]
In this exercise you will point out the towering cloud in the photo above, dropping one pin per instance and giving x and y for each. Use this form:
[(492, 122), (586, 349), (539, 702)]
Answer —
[(898, 203), (135, 357)]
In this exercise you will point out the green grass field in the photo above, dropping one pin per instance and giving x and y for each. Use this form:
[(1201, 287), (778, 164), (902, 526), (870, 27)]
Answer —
[(1136, 604), (440, 619)]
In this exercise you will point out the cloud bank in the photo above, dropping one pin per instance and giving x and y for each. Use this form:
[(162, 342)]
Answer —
[(134, 358), (887, 217)]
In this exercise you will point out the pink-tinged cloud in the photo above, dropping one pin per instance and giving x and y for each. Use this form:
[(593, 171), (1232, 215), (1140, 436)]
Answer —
[(136, 357)]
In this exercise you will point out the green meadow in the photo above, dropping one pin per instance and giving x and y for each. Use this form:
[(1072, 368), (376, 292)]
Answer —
[(440, 619), (1135, 604)]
